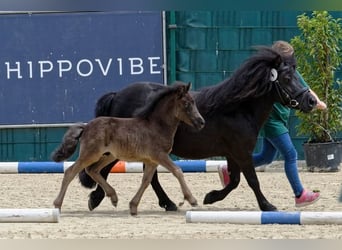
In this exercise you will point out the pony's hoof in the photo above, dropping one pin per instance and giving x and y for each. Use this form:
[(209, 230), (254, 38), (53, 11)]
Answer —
[(95, 199), (210, 197), (92, 205), (168, 206), (269, 207), (171, 208)]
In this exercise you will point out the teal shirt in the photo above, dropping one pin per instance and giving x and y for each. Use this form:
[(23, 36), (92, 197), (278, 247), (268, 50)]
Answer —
[(277, 122)]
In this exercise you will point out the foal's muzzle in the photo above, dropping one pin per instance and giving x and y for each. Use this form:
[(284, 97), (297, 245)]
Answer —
[(199, 123)]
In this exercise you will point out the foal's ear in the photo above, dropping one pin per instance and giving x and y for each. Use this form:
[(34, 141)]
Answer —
[(183, 89), (188, 86)]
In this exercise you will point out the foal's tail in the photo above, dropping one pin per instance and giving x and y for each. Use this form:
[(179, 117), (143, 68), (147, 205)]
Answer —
[(69, 143)]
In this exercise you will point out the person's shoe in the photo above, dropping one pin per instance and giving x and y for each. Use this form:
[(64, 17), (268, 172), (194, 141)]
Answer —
[(307, 198), (224, 174)]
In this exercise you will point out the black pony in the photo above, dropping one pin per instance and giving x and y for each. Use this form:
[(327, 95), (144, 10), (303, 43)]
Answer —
[(234, 111)]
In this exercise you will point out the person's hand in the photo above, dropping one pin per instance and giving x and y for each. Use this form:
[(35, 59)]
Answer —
[(321, 105)]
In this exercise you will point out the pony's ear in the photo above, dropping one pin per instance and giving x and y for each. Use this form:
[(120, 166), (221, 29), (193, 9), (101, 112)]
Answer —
[(277, 61)]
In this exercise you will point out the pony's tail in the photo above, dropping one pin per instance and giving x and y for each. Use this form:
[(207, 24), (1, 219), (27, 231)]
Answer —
[(86, 180), (69, 143), (104, 104)]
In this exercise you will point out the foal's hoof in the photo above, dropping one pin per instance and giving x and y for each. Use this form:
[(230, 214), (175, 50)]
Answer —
[(59, 209), (114, 201), (133, 209), (194, 204), (57, 205), (134, 213)]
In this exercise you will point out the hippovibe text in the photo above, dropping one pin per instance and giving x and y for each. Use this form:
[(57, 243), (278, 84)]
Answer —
[(84, 67)]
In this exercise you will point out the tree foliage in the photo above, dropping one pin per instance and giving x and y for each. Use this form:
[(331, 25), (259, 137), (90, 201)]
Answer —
[(318, 53)]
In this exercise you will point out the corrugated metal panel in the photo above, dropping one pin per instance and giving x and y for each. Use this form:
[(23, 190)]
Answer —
[(187, 77), (207, 79), (183, 60), (194, 18), (230, 60), (248, 18), (29, 144), (228, 38), (204, 61)]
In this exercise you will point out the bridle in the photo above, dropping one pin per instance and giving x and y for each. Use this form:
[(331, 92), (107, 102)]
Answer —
[(283, 94)]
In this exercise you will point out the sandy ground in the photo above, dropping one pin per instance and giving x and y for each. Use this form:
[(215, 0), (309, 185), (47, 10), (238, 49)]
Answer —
[(152, 222)]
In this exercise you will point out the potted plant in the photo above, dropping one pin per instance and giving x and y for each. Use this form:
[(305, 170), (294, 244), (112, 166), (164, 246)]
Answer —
[(318, 53)]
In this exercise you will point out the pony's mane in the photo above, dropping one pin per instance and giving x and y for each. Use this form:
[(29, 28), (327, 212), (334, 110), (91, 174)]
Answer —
[(145, 111), (250, 80)]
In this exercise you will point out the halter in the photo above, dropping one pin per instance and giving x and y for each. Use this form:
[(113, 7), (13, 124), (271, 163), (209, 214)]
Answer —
[(285, 97)]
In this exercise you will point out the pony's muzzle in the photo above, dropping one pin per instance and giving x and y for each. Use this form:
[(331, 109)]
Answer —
[(309, 103), (312, 102)]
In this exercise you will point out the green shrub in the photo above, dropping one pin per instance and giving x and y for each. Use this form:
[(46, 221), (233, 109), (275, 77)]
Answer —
[(318, 54)]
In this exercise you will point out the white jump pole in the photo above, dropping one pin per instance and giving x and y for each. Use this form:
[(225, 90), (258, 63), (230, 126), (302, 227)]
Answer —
[(31, 215), (258, 217)]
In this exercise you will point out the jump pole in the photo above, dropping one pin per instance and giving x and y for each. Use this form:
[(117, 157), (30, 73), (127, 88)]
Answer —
[(187, 166), (259, 217), (30, 215), (121, 167)]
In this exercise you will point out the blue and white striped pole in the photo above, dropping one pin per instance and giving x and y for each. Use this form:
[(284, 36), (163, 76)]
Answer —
[(33, 167), (129, 167), (259, 217)]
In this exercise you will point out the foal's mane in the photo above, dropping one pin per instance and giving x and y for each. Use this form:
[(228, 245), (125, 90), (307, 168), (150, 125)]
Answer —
[(250, 80), (145, 111)]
